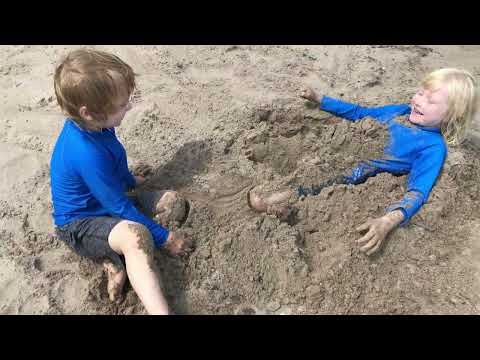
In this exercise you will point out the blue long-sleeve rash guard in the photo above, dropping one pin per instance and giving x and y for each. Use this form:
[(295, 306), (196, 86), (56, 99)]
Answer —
[(89, 177), (414, 150)]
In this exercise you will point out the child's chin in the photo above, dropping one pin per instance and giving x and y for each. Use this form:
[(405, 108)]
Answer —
[(415, 120)]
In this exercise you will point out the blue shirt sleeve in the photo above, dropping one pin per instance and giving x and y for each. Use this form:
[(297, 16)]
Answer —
[(425, 170), (130, 180), (128, 176), (354, 112), (99, 175)]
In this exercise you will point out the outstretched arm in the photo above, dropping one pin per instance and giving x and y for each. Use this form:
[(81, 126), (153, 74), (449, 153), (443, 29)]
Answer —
[(423, 175), (354, 112)]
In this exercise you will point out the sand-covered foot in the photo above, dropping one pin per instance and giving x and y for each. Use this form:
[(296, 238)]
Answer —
[(116, 281), (272, 205), (261, 203), (255, 202)]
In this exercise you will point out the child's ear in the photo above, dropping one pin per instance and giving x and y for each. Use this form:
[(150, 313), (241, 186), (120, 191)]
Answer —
[(85, 114)]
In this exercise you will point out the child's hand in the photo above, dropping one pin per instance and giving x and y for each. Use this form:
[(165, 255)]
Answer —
[(139, 179), (378, 229), (143, 170), (310, 95), (177, 245), (141, 173)]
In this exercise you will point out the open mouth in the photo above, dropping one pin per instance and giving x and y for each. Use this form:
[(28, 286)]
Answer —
[(415, 111)]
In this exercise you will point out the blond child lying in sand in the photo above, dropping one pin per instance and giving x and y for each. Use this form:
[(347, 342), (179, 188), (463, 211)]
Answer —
[(438, 114)]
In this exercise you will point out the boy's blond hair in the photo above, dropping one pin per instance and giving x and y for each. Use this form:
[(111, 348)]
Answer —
[(462, 97), (92, 78)]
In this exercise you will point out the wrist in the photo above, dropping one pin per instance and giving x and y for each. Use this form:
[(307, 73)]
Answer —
[(395, 217)]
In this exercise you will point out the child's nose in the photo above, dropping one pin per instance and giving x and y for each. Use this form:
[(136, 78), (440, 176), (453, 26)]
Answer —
[(417, 99)]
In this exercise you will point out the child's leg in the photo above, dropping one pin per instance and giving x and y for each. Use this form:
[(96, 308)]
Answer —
[(270, 203), (316, 189), (135, 243), (260, 204), (358, 175)]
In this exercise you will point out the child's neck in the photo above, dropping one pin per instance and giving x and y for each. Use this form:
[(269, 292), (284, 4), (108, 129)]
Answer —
[(85, 127)]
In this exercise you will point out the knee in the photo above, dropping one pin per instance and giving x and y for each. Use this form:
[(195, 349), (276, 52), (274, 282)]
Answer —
[(139, 238)]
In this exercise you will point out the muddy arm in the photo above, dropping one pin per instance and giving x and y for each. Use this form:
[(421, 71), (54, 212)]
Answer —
[(102, 180), (425, 171)]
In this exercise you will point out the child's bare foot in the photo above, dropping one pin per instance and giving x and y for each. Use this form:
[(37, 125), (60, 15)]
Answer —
[(116, 281), (271, 204), (255, 202), (260, 204)]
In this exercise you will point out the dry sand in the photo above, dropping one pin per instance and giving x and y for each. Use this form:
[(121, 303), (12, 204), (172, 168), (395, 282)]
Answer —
[(198, 108)]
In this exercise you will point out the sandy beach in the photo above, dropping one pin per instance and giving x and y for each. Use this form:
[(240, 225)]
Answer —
[(196, 110)]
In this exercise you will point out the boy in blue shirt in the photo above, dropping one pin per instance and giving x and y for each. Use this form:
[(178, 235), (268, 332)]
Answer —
[(439, 113), (90, 176)]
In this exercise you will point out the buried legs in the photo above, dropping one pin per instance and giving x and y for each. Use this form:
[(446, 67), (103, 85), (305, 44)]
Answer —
[(272, 204)]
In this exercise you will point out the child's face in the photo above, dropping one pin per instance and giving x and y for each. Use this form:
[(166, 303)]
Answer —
[(429, 107), (123, 105)]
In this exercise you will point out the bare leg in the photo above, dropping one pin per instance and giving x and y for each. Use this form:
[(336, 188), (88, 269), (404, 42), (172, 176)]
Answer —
[(135, 242)]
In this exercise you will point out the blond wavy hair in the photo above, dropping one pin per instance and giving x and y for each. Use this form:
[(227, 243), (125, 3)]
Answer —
[(92, 78), (462, 98)]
